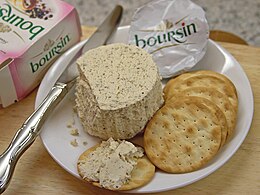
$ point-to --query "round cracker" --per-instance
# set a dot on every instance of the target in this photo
(201, 72)
(142, 173)
(182, 136)
(218, 75)
(171, 84)
(202, 79)
(218, 113)
(217, 98)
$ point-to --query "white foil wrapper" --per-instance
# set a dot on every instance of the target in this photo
(175, 32)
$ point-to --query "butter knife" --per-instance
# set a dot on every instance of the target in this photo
(31, 128)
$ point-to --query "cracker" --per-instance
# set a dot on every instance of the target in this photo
(217, 98)
(218, 75)
(218, 113)
(142, 173)
(182, 136)
(172, 82)
(202, 79)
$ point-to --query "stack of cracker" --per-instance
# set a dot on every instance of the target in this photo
(198, 117)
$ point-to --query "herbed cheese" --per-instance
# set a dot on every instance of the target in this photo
(118, 91)
(111, 163)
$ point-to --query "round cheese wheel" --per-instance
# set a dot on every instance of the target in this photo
(118, 91)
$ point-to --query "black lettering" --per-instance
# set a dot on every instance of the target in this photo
(42, 61)
(164, 38)
(171, 34)
(137, 41)
(194, 28)
(59, 47)
(159, 39)
(26, 25)
(66, 40)
(35, 31)
(48, 56)
(179, 32)
(184, 30)
(34, 67)
(3, 11)
(151, 41)
(18, 19)
(8, 18)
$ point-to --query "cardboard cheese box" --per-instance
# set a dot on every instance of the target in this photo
(33, 33)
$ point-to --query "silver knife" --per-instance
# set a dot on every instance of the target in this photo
(26, 135)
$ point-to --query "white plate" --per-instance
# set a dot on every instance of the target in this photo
(56, 135)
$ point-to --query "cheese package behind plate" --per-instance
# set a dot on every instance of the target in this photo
(175, 32)
(32, 35)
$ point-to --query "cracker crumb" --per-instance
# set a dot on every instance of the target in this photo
(74, 143)
(71, 123)
(74, 132)
(75, 109)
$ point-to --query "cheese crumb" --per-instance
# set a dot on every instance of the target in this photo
(111, 163)
(74, 143)
(71, 123)
(74, 132)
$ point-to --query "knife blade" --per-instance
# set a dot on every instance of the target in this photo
(30, 129)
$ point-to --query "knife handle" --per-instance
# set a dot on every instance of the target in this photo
(26, 135)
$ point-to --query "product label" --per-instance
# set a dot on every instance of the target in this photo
(50, 51)
(34, 33)
(166, 33)
(7, 15)
(24, 22)
(174, 32)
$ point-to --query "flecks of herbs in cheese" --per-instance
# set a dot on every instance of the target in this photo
(111, 163)
(119, 74)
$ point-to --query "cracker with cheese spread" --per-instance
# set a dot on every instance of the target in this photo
(115, 165)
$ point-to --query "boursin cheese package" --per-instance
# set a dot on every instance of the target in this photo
(174, 32)
(33, 33)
